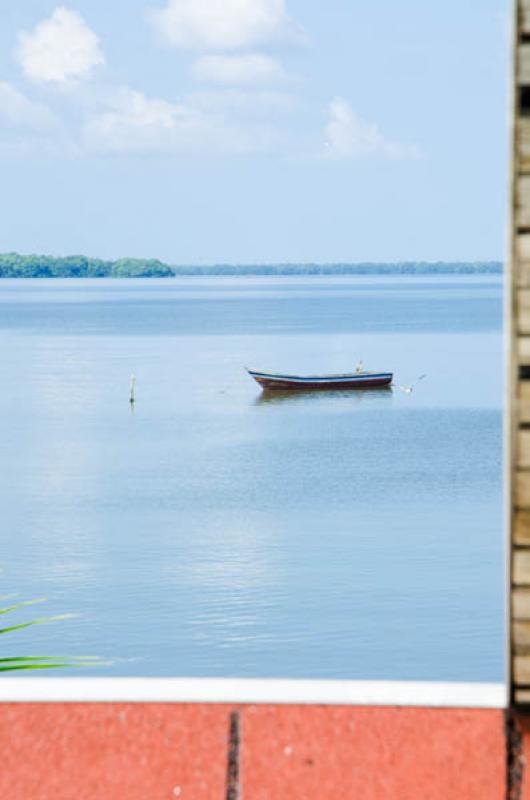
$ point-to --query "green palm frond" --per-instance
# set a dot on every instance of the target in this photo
(11, 663)
(41, 621)
(20, 604)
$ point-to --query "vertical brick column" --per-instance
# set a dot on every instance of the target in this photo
(518, 322)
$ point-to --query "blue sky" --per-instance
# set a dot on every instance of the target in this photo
(243, 131)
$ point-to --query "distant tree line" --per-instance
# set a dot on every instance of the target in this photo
(14, 265)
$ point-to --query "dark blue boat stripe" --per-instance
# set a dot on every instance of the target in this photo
(320, 378)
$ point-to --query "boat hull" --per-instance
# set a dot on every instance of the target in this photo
(320, 382)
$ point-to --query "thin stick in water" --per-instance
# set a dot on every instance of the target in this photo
(132, 388)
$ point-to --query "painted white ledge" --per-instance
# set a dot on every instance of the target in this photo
(236, 690)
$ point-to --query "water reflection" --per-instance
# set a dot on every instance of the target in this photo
(305, 396)
(263, 543)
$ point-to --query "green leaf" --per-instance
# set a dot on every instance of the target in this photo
(12, 663)
(21, 605)
(47, 665)
(42, 621)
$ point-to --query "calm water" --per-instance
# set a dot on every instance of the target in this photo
(216, 532)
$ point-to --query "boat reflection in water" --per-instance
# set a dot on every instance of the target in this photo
(305, 396)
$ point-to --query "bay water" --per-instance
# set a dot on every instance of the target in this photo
(211, 530)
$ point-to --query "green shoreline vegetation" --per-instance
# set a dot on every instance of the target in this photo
(14, 265)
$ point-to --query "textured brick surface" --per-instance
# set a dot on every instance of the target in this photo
(163, 751)
(312, 753)
(112, 751)
(521, 754)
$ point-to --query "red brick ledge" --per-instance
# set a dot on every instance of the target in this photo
(159, 751)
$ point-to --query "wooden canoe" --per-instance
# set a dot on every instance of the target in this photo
(346, 380)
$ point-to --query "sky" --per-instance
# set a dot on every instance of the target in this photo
(255, 131)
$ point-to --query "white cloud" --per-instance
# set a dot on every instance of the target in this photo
(349, 136)
(59, 49)
(135, 123)
(255, 104)
(17, 111)
(29, 128)
(238, 70)
(223, 24)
